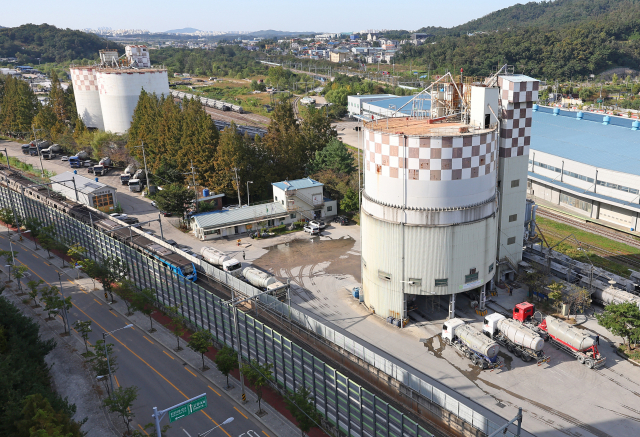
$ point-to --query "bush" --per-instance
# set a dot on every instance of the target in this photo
(298, 225)
(278, 229)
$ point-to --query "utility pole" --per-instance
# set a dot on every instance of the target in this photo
(248, 199)
(146, 172)
(235, 169)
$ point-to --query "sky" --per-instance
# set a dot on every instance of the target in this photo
(248, 15)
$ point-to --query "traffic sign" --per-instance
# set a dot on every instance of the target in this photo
(187, 409)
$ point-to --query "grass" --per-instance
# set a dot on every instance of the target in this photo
(633, 354)
(28, 168)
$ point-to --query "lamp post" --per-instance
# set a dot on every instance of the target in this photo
(206, 433)
(248, 182)
(106, 385)
(106, 350)
(64, 308)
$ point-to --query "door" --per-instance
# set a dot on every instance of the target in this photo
(235, 230)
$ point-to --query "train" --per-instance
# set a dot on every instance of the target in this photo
(179, 265)
(211, 103)
(481, 350)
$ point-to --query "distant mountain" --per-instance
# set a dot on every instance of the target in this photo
(268, 33)
(51, 44)
(184, 30)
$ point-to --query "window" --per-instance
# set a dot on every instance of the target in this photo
(103, 201)
(511, 240)
(490, 267)
(293, 216)
(576, 203)
(329, 208)
(442, 282)
(515, 183)
(275, 198)
(282, 201)
(384, 275)
(415, 282)
(513, 217)
(470, 277)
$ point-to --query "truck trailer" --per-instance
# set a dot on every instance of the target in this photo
(481, 350)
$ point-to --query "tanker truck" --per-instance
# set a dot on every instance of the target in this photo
(128, 172)
(258, 278)
(573, 341)
(612, 295)
(482, 351)
(221, 260)
(519, 339)
(103, 167)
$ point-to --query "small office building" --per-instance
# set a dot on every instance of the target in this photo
(87, 191)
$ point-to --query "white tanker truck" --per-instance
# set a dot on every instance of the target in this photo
(482, 351)
(258, 278)
(520, 340)
(221, 260)
(573, 341)
(612, 295)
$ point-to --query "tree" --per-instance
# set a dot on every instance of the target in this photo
(33, 290)
(48, 296)
(301, 406)
(175, 199)
(316, 130)
(110, 271)
(83, 328)
(144, 301)
(126, 290)
(226, 361)
(200, 342)
(39, 419)
(258, 375)
(577, 298)
(76, 252)
(334, 156)
(7, 217)
(121, 401)
(19, 272)
(34, 225)
(99, 362)
(621, 319)
(48, 239)
(91, 268)
(177, 324)
(350, 201)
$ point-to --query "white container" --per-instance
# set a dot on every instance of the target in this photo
(477, 342)
(258, 278)
(574, 337)
(520, 334)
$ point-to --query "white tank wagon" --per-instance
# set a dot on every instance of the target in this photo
(258, 278)
(612, 295)
(481, 350)
(520, 340)
(87, 96)
(573, 341)
(221, 260)
(119, 92)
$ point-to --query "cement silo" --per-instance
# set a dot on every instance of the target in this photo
(85, 89)
(119, 92)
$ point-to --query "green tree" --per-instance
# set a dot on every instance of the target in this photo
(83, 328)
(144, 301)
(19, 272)
(91, 268)
(49, 295)
(175, 199)
(33, 290)
(39, 419)
(200, 342)
(19, 106)
(7, 217)
(226, 361)
(121, 401)
(177, 324)
(76, 252)
(109, 272)
(99, 362)
(126, 290)
(301, 406)
(350, 201)
(48, 239)
(334, 156)
(621, 319)
(614, 79)
(258, 375)
(34, 225)
(316, 130)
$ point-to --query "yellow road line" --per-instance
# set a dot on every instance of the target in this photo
(266, 434)
(214, 390)
(98, 301)
(169, 355)
(243, 415)
(187, 369)
(116, 378)
(147, 339)
(143, 430)
(34, 255)
(113, 313)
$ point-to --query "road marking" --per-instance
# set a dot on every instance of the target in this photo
(185, 431)
(187, 369)
(112, 313)
(169, 355)
(34, 255)
(97, 301)
(143, 430)
(240, 412)
(147, 339)
(266, 434)
(116, 378)
(214, 390)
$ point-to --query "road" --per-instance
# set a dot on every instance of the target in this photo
(162, 377)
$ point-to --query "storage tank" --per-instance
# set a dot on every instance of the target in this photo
(119, 92)
(258, 278)
(478, 342)
(520, 334)
(214, 256)
(574, 337)
(87, 96)
(612, 295)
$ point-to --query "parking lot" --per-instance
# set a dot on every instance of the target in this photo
(561, 397)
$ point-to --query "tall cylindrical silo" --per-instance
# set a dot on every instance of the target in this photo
(85, 89)
(119, 92)
(428, 210)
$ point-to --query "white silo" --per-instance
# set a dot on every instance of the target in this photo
(85, 89)
(429, 206)
(119, 92)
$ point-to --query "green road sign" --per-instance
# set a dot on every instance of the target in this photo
(187, 409)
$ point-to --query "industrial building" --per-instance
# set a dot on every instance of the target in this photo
(107, 94)
(444, 191)
(586, 163)
(301, 199)
(90, 192)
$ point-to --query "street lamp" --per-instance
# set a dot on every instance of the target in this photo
(64, 308)
(248, 182)
(106, 350)
(102, 377)
(206, 433)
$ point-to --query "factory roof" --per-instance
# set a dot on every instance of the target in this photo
(423, 103)
(613, 147)
(239, 216)
(422, 127)
(83, 185)
(297, 184)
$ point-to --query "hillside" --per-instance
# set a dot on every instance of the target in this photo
(51, 44)
(555, 40)
(183, 30)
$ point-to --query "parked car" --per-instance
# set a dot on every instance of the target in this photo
(342, 220)
(87, 163)
(153, 203)
(171, 243)
(317, 223)
(312, 230)
(165, 213)
(117, 215)
(90, 170)
(64, 158)
(130, 220)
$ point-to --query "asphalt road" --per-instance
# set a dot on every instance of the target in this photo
(163, 378)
